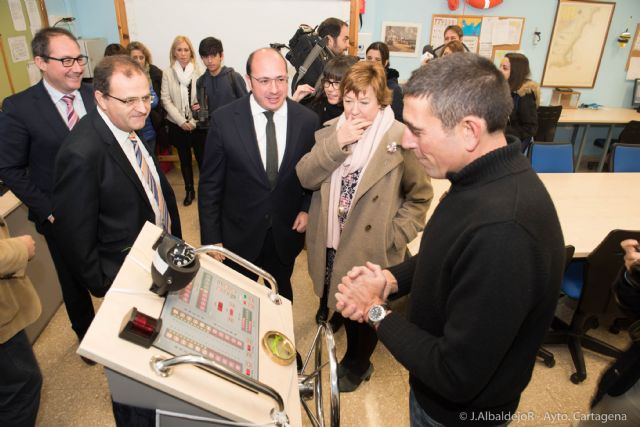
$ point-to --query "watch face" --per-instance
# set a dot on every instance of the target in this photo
(376, 313)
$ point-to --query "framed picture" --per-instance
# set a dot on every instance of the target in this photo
(403, 38)
(579, 34)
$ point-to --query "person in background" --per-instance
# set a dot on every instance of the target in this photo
(379, 52)
(327, 103)
(484, 284)
(179, 99)
(451, 33)
(370, 200)
(115, 49)
(523, 120)
(220, 85)
(20, 377)
(618, 391)
(139, 53)
(32, 128)
(453, 46)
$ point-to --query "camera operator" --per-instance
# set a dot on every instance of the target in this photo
(619, 388)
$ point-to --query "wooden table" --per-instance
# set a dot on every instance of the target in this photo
(589, 205)
(610, 116)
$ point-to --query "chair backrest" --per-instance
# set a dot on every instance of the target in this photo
(551, 156)
(547, 122)
(602, 268)
(631, 133)
(625, 158)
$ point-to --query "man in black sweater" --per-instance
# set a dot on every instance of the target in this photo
(485, 283)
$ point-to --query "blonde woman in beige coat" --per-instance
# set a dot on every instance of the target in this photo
(370, 199)
(20, 378)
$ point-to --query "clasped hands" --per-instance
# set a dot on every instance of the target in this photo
(363, 287)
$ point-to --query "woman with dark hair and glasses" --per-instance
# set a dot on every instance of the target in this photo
(327, 103)
(523, 121)
(379, 52)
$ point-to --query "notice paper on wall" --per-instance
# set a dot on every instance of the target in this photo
(634, 68)
(34, 16)
(19, 48)
(17, 16)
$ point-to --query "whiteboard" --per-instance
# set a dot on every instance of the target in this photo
(242, 25)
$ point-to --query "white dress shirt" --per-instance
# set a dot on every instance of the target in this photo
(123, 139)
(56, 97)
(260, 123)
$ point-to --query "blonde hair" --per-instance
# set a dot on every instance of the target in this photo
(365, 74)
(142, 48)
(176, 41)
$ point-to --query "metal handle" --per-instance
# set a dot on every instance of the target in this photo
(273, 295)
(163, 367)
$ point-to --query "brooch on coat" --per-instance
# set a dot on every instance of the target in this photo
(392, 148)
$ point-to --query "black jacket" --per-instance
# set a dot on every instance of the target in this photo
(397, 105)
(523, 120)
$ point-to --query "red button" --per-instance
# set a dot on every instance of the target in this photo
(220, 306)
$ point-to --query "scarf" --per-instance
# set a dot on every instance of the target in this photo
(358, 159)
(184, 77)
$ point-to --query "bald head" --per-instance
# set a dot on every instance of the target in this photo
(265, 53)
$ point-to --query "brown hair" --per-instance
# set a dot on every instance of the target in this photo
(454, 46)
(520, 71)
(108, 66)
(179, 39)
(142, 48)
(365, 74)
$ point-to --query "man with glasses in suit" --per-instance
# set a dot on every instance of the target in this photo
(33, 125)
(251, 200)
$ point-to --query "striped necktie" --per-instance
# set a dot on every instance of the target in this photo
(72, 116)
(151, 183)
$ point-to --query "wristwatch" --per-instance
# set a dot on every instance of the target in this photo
(376, 314)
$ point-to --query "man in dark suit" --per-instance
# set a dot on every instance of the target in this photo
(251, 200)
(32, 127)
(106, 182)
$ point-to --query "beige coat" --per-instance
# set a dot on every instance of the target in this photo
(171, 98)
(387, 211)
(19, 302)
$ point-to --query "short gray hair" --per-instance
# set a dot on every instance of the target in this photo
(460, 85)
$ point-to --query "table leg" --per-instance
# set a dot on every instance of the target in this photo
(583, 141)
(605, 149)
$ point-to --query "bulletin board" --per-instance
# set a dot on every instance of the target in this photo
(19, 20)
(633, 62)
(484, 35)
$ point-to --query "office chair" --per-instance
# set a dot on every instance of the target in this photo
(629, 135)
(625, 158)
(551, 156)
(547, 123)
(543, 353)
(589, 281)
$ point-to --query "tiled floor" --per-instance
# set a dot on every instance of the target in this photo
(75, 394)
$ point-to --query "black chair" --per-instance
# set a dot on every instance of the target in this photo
(547, 123)
(543, 353)
(599, 270)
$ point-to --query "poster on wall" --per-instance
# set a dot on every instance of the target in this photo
(402, 38)
(577, 41)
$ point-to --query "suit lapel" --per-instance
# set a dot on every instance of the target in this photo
(116, 153)
(380, 164)
(293, 133)
(87, 98)
(45, 107)
(249, 140)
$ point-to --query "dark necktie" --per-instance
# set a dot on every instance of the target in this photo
(272, 150)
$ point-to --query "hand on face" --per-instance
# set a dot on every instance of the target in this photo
(351, 131)
(632, 254)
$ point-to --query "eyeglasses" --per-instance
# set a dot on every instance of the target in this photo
(68, 62)
(333, 83)
(133, 100)
(266, 81)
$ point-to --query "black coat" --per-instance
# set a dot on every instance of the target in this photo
(236, 203)
(523, 120)
(31, 133)
(100, 204)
